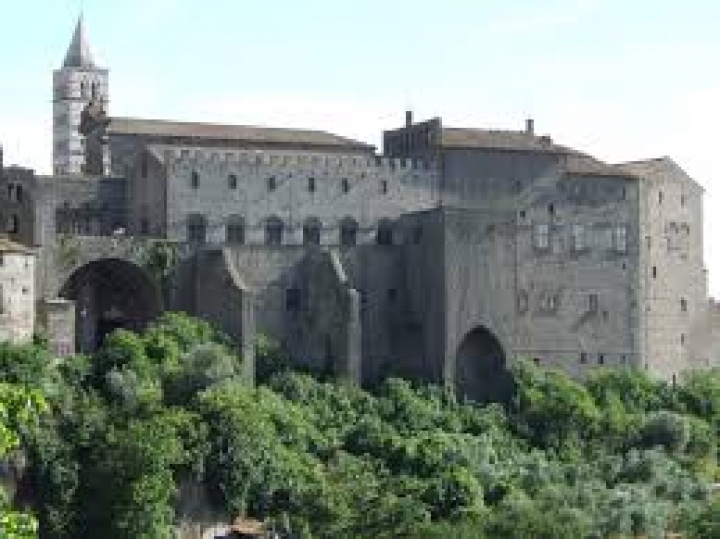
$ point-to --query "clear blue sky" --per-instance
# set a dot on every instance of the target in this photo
(620, 79)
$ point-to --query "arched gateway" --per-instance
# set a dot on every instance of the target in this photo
(109, 294)
(480, 370)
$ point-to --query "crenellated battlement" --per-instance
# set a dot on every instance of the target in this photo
(194, 157)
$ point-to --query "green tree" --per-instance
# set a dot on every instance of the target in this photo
(553, 407)
(18, 408)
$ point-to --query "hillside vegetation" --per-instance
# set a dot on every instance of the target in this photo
(619, 455)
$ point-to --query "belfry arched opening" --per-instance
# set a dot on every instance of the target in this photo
(481, 372)
(110, 294)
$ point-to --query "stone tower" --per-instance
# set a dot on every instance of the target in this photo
(78, 82)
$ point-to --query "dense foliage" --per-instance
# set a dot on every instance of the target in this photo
(19, 408)
(618, 455)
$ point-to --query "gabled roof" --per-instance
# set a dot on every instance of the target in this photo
(660, 167)
(456, 137)
(78, 53)
(240, 133)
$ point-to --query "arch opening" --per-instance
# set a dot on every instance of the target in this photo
(481, 372)
(110, 294)
(311, 231)
(348, 232)
(273, 231)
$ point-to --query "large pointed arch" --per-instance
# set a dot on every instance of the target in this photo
(481, 372)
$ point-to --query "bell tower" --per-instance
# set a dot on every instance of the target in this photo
(78, 82)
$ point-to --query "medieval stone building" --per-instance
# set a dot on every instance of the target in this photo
(444, 257)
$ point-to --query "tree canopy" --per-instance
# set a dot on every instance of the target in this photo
(111, 438)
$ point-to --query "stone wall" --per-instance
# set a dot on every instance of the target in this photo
(328, 309)
(17, 296)
(478, 177)
(56, 322)
(672, 279)
(577, 265)
(291, 186)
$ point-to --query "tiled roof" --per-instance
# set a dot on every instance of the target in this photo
(660, 167)
(579, 164)
(454, 137)
(650, 167)
(240, 133)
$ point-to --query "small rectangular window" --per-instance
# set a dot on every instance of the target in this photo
(593, 302)
(578, 237)
(654, 272)
(583, 357)
(271, 183)
(620, 239)
(311, 184)
(292, 299)
(601, 359)
(194, 180)
(384, 187)
(683, 305)
(232, 181)
(13, 224)
(345, 185)
(542, 236)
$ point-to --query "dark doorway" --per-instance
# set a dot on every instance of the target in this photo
(481, 373)
(110, 294)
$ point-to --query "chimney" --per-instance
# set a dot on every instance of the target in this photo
(408, 118)
(530, 126)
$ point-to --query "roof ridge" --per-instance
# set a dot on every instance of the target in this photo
(224, 124)
(211, 130)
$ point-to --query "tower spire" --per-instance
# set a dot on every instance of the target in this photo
(78, 53)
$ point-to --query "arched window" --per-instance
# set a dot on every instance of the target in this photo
(385, 232)
(235, 230)
(348, 232)
(232, 181)
(311, 231)
(196, 228)
(273, 231)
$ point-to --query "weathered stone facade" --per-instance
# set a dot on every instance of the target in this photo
(17, 292)
(452, 253)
